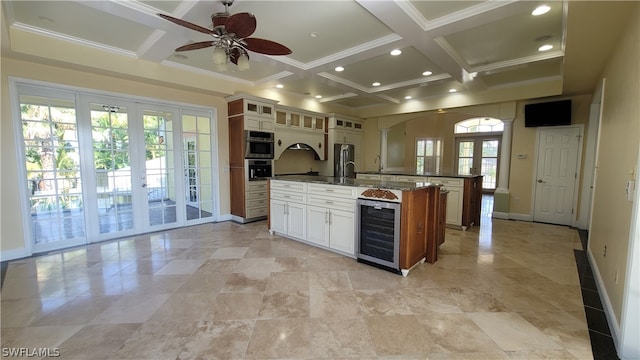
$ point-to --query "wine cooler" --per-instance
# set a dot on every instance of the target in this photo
(378, 233)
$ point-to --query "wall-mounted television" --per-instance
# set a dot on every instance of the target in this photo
(552, 113)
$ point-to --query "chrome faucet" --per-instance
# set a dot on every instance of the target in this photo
(379, 163)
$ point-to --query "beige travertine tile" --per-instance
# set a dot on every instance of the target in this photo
(512, 332)
(131, 309)
(236, 306)
(157, 340)
(457, 333)
(103, 340)
(399, 335)
(333, 304)
(337, 338)
(281, 304)
(280, 339)
(492, 295)
(217, 340)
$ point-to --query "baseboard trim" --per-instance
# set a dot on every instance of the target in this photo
(14, 254)
(500, 215)
(521, 217)
(614, 327)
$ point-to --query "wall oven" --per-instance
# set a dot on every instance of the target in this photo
(259, 169)
(258, 145)
(378, 234)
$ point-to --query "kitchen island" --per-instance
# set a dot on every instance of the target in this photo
(327, 212)
(464, 200)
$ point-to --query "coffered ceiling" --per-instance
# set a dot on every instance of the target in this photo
(462, 46)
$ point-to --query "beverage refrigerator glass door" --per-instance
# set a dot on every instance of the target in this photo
(258, 145)
(378, 233)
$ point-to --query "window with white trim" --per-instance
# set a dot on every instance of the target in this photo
(428, 155)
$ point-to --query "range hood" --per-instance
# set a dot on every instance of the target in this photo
(300, 146)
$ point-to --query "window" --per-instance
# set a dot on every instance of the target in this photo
(477, 125)
(428, 155)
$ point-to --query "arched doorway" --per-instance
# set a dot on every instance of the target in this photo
(477, 149)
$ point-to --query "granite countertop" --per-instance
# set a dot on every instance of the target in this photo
(417, 174)
(381, 184)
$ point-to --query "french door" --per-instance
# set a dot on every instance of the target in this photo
(98, 168)
(479, 156)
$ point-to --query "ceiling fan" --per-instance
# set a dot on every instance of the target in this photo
(231, 38)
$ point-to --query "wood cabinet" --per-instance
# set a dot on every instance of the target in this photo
(248, 199)
(419, 227)
(331, 217)
(464, 195)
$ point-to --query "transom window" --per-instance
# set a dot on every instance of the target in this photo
(428, 155)
(478, 125)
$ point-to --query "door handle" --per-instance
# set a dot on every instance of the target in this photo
(540, 181)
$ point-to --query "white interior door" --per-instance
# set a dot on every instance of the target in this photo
(556, 174)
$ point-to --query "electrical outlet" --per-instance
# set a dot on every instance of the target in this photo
(604, 253)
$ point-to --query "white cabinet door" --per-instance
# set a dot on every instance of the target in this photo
(454, 206)
(342, 231)
(296, 220)
(278, 216)
(318, 225)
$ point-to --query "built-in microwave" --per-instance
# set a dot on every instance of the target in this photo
(258, 145)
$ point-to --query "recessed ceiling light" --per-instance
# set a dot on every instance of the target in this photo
(280, 86)
(339, 68)
(542, 9)
(545, 47)
(407, 97)
(395, 52)
(427, 73)
(376, 84)
(452, 90)
(314, 34)
(318, 96)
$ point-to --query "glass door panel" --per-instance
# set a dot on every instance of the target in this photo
(489, 164)
(112, 162)
(52, 164)
(159, 167)
(198, 179)
(465, 157)
(479, 153)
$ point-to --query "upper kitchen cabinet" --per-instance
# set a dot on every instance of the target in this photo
(299, 119)
(344, 129)
(258, 113)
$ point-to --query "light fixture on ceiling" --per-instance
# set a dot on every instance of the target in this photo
(224, 52)
(427, 73)
(375, 84)
(339, 68)
(545, 47)
(542, 9)
(280, 86)
(452, 90)
(318, 96)
(314, 34)
(408, 97)
(395, 52)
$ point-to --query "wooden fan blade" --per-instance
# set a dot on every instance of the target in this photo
(267, 47)
(234, 55)
(187, 24)
(241, 24)
(195, 46)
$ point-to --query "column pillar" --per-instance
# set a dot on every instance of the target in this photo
(501, 196)
(383, 148)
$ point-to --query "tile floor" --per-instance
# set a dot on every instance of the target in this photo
(506, 290)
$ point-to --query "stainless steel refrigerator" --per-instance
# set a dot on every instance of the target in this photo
(343, 161)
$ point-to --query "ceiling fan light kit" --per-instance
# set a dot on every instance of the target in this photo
(231, 39)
